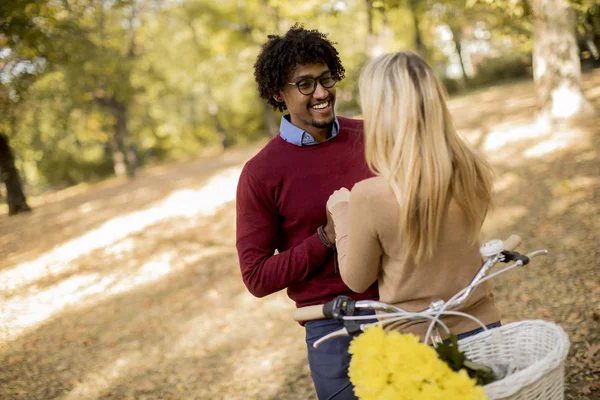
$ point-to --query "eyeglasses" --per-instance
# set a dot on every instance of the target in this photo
(307, 86)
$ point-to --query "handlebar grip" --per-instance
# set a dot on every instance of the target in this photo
(308, 313)
(512, 242)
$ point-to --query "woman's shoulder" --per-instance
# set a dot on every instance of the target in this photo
(373, 187)
(376, 202)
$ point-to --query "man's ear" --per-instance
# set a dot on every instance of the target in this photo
(278, 97)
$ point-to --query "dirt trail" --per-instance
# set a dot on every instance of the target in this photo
(131, 290)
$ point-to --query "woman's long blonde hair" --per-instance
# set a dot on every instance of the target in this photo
(410, 139)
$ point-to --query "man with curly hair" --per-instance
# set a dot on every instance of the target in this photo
(283, 190)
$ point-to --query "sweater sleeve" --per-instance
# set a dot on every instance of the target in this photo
(359, 250)
(257, 230)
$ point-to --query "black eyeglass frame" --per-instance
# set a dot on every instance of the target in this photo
(315, 80)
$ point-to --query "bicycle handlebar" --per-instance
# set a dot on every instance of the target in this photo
(308, 313)
(512, 242)
(317, 311)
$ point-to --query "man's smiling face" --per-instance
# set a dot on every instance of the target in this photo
(312, 113)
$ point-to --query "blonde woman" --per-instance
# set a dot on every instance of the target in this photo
(414, 227)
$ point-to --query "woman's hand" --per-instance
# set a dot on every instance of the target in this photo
(339, 196)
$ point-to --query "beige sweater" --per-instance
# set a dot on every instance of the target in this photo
(368, 244)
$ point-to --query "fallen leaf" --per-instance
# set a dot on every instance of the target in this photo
(525, 298)
(146, 386)
(14, 359)
(592, 350)
(590, 387)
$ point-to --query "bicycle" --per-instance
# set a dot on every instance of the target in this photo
(527, 356)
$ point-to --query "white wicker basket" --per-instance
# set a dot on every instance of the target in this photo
(533, 352)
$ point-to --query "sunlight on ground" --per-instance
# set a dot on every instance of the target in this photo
(499, 140)
(559, 140)
(21, 312)
(578, 193)
(506, 181)
(95, 384)
(503, 217)
(183, 203)
(197, 339)
(566, 100)
(592, 93)
(267, 352)
(508, 133)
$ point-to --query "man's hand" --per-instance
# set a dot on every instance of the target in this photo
(329, 229)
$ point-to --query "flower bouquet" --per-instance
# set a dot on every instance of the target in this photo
(395, 366)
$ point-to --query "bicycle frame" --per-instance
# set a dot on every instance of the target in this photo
(345, 309)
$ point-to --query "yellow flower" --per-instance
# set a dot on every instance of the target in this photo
(397, 366)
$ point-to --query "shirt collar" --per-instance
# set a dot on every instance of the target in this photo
(294, 135)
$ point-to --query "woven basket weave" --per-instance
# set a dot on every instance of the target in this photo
(534, 354)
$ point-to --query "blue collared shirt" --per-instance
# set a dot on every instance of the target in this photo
(294, 135)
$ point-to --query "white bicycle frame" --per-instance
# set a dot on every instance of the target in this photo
(495, 251)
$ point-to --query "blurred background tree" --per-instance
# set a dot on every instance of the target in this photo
(94, 88)
(557, 28)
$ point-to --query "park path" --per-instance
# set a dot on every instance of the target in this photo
(131, 290)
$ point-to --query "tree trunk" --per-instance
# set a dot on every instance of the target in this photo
(386, 33)
(193, 114)
(15, 196)
(224, 137)
(419, 44)
(457, 38)
(374, 45)
(556, 65)
(124, 159)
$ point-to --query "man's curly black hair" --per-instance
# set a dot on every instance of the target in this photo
(281, 54)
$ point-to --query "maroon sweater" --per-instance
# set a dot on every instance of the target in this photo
(281, 197)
